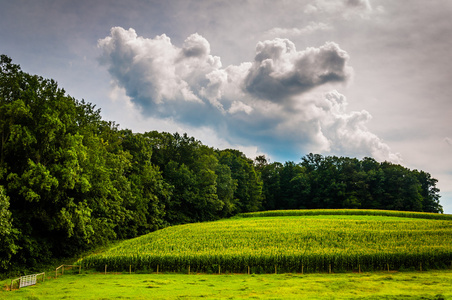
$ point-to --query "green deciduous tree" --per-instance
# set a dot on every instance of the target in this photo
(429, 192)
(249, 184)
(8, 234)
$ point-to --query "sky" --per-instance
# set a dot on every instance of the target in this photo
(277, 78)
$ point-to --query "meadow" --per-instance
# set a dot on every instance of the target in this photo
(380, 285)
(291, 243)
(341, 254)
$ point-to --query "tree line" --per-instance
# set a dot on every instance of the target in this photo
(342, 182)
(71, 181)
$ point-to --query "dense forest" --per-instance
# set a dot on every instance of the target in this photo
(71, 181)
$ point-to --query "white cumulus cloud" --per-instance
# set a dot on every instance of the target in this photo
(270, 103)
(157, 75)
(347, 132)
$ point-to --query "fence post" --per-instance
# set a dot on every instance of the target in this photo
(302, 269)
(105, 269)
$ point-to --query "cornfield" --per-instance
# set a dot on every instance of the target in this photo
(296, 244)
(355, 212)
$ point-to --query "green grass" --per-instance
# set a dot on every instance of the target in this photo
(308, 243)
(382, 285)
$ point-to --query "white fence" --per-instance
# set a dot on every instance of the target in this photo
(27, 280)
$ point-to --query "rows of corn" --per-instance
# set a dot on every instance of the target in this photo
(355, 212)
(317, 243)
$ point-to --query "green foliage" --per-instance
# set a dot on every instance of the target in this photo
(341, 182)
(8, 234)
(149, 191)
(249, 184)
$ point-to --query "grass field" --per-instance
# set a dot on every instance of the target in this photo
(287, 244)
(318, 252)
(380, 285)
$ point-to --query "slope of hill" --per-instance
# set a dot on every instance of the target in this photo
(310, 243)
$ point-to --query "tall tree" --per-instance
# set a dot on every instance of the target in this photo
(429, 192)
(149, 192)
(249, 183)
(8, 234)
(270, 176)
(201, 188)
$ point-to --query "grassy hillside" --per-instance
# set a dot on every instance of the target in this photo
(301, 244)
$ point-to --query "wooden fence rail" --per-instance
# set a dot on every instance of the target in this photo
(62, 269)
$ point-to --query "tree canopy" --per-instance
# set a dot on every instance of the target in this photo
(342, 182)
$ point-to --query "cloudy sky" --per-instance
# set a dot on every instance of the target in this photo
(281, 78)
